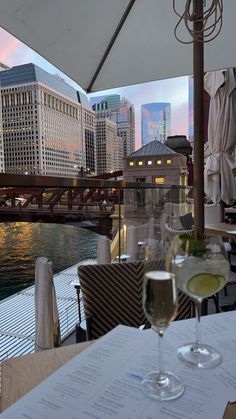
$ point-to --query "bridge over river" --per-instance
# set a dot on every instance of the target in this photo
(58, 205)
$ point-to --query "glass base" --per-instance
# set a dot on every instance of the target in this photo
(162, 387)
(200, 356)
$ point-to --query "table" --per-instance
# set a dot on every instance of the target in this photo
(123, 258)
(222, 229)
(19, 375)
(110, 370)
(231, 210)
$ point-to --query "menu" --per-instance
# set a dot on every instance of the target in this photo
(103, 382)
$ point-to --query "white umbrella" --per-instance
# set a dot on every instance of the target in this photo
(106, 43)
(47, 329)
(103, 250)
(132, 243)
(219, 179)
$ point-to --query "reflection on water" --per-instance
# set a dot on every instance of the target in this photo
(22, 243)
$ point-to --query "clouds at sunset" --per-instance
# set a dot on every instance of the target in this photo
(10, 47)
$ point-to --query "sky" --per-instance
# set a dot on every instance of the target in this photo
(175, 91)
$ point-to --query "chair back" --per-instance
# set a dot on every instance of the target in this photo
(112, 295)
(212, 214)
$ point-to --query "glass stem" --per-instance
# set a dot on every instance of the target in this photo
(198, 309)
(161, 369)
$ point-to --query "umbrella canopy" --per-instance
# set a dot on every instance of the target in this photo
(109, 43)
(219, 180)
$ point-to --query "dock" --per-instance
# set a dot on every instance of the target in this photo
(17, 314)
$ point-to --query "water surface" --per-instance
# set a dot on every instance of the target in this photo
(21, 243)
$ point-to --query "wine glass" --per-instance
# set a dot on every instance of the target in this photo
(201, 268)
(160, 303)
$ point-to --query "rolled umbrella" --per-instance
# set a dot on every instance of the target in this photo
(218, 174)
(47, 327)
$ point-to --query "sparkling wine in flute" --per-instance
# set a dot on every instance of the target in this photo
(160, 299)
(160, 303)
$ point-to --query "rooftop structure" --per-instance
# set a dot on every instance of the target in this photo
(157, 163)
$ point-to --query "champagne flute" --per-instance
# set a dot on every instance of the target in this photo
(201, 268)
(160, 303)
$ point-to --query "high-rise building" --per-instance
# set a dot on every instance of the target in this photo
(120, 111)
(3, 67)
(46, 123)
(2, 165)
(109, 147)
(89, 135)
(155, 122)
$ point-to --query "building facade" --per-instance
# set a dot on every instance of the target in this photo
(121, 112)
(3, 67)
(89, 136)
(109, 147)
(2, 159)
(43, 129)
(155, 122)
(155, 163)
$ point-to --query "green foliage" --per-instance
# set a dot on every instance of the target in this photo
(194, 246)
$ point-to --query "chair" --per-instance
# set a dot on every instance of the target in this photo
(175, 220)
(112, 295)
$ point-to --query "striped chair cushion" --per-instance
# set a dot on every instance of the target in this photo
(112, 295)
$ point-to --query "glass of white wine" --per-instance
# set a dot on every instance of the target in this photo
(160, 302)
(201, 268)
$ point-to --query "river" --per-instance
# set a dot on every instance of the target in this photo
(21, 243)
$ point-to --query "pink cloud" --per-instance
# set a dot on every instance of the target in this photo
(9, 47)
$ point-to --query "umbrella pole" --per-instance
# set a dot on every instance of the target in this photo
(198, 74)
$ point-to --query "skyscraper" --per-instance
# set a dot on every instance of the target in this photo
(120, 111)
(2, 165)
(44, 123)
(3, 67)
(155, 122)
(109, 147)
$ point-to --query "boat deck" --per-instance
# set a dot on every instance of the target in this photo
(17, 314)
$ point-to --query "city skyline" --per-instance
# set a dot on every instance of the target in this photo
(175, 91)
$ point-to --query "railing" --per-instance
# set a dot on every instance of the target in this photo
(107, 207)
(109, 204)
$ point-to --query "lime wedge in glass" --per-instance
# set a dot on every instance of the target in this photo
(205, 284)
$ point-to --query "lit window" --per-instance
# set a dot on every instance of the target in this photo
(159, 180)
(149, 162)
(140, 163)
(168, 161)
(131, 163)
(158, 161)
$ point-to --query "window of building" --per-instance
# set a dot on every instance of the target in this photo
(131, 163)
(169, 161)
(140, 163)
(149, 162)
(159, 180)
(158, 162)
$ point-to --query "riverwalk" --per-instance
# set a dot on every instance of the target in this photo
(17, 314)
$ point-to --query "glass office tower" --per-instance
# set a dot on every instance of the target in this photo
(155, 122)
